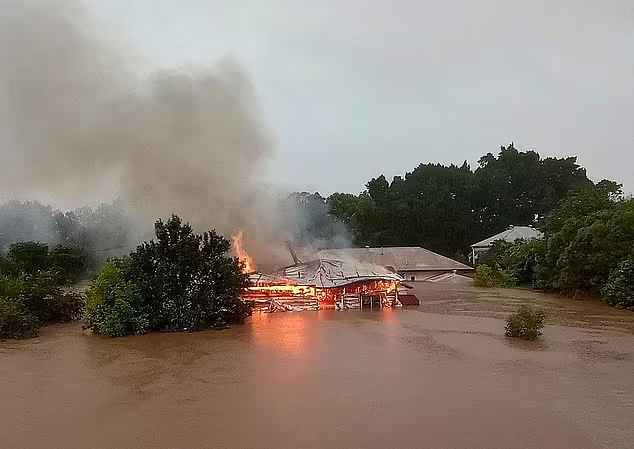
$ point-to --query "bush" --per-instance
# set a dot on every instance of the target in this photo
(483, 276)
(29, 258)
(113, 302)
(619, 289)
(32, 297)
(12, 287)
(15, 322)
(69, 263)
(187, 281)
(526, 323)
(45, 300)
(180, 282)
(26, 304)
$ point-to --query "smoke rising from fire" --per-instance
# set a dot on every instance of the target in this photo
(77, 123)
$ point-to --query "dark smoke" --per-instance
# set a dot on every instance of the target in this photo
(78, 124)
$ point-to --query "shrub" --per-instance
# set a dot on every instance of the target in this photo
(483, 276)
(45, 300)
(113, 302)
(32, 297)
(180, 282)
(619, 289)
(526, 323)
(187, 281)
(12, 287)
(69, 263)
(29, 257)
(15, 322)
(486, 276)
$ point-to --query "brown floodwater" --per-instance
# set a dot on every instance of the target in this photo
(440, 376)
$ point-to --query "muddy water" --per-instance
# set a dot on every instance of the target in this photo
(438, 376)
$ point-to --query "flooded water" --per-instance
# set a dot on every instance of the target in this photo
(439, 376)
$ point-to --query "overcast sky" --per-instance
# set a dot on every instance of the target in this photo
(354, 88)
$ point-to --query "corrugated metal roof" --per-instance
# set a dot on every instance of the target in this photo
(326, 273)
(510, 235)
(401, 258)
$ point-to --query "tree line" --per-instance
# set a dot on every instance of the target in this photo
(106, 230)
(439, 207)
(448, 208)
(186, 281)
(588, 247)
(180, 281)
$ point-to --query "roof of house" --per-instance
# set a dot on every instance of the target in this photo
(450, 278)
(400, 258)
(325, 273)
(510, 235)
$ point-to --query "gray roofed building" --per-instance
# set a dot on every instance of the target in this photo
(411, 262)
(511, 234)
(324, 273)
(327, 273)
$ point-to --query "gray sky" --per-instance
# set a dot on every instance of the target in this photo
(354, 88)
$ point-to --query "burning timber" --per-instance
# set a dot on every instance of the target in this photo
(324, 283)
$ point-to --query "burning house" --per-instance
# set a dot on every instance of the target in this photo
(323, 283)
(319, 284)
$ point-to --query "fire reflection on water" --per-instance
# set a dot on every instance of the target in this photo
(289, 337)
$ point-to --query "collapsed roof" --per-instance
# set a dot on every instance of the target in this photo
(327, 273)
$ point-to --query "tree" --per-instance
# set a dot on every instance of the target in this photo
(26, 303)
(447, 208)
(113, 302)
(69, 263)
(588, 247)
(15, 321)
(521, 188)
(180, 281)
(619, 289)
(29, 257)
(186, 281)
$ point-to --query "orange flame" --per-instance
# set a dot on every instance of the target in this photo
(247, 263)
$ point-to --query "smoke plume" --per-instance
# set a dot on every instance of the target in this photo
(78, 123)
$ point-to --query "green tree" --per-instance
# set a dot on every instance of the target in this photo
(114, 305)
(619, 289)
(29, 257)
(186, 280)
(588, 246)
(26, 303)
(447, 208)
(25, 221)
(15, 321)
(180, 281)
(49, 303)
(69, 263)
